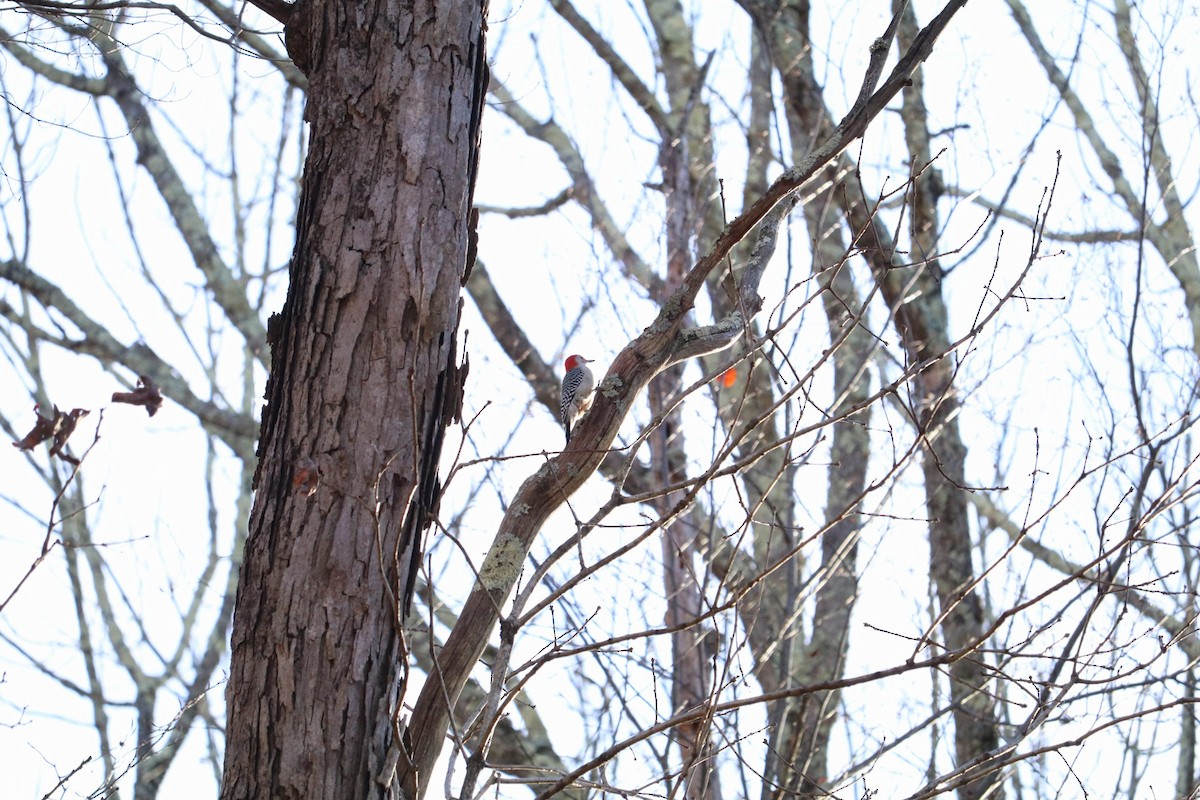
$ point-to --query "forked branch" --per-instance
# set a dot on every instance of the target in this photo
(643, 358)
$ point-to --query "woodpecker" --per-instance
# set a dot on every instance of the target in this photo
(577, 387)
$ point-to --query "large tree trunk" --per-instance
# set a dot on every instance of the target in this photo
(363, 383)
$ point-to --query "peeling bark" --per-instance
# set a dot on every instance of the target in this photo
(364, 381)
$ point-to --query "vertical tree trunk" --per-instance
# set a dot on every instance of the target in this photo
(924, 324)
(690, 661)
(363, 383)
(800, 764)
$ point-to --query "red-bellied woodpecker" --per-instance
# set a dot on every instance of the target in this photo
(577, 388)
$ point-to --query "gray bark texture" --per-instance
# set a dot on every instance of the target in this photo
(364, 381)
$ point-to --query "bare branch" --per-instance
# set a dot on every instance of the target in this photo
(631, 370)
(237, 431)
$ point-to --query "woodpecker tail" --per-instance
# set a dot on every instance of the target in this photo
(567, 427)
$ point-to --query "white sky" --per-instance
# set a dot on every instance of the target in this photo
(144, 474)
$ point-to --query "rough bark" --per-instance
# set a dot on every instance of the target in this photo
(362, 385)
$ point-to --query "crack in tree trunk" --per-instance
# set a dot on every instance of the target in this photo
(364, 381)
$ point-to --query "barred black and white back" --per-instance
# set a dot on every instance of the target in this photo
(577, 387)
